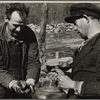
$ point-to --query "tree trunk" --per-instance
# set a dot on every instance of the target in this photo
(42, 34)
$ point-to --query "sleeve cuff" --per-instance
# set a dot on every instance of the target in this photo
(12, 83)
(30, 81)
(77, 87)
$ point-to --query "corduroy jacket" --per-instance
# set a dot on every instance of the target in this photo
(30, 56)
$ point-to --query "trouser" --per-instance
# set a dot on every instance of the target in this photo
(7, 94)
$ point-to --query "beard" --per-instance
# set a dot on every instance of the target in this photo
(16, 34)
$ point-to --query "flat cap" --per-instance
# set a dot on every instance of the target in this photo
(79, 9)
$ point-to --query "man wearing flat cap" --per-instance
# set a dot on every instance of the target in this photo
(85, 76)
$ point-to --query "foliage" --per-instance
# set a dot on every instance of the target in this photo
(57, 12)
(55, 15)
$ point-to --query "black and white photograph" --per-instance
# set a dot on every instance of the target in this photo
(49, 50)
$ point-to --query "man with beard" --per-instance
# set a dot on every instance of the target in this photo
(19, 60)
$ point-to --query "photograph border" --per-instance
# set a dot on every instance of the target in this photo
(49, 1)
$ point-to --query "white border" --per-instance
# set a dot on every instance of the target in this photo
(49, 1)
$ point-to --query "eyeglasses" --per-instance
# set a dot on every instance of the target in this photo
(18, 25)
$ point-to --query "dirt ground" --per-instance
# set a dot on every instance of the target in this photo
(64, 43)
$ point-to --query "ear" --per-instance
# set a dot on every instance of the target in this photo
(86, 17)
(5, 18)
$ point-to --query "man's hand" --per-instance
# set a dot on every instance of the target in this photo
(19, 87)
(65, 82)
(31, 83)
(25, 88)
(54, 73)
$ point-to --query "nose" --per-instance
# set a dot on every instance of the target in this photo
(18, 29)
(75, 28)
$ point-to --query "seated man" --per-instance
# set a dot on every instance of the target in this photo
(85, 76)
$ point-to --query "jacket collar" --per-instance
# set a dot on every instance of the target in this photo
(93, 40)
(85, 50)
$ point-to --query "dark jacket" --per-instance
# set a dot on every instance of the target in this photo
(86, 67)
(30, 58)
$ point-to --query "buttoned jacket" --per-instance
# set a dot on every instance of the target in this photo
(86, 68)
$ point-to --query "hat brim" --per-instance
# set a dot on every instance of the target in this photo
(71, 19)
